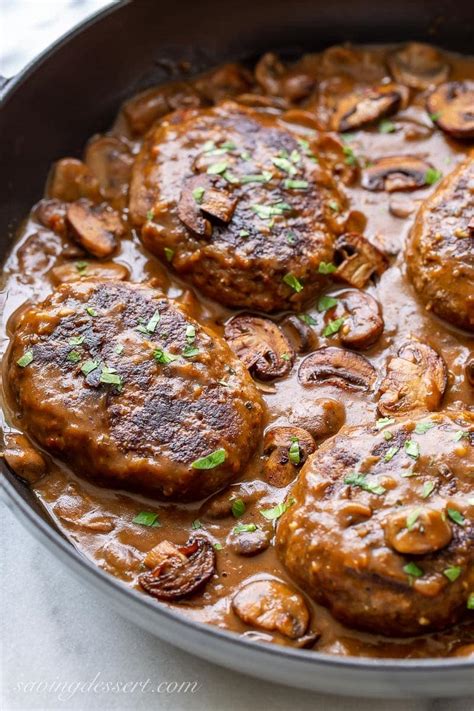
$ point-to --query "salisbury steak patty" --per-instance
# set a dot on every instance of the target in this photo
(382, 525)
(237, 203)
(117, 381)
(440, 252)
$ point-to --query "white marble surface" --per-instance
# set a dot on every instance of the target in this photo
(53, 634)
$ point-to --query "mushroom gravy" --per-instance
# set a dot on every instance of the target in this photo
(118, 530)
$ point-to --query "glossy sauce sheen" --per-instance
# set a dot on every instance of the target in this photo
(99, 521)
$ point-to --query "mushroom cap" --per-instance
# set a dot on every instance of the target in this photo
(339, 367)
(418, 66)
(382, 529)
(451, 107)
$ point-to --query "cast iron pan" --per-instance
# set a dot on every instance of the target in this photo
(72, 91)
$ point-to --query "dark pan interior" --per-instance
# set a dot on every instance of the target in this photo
(74, 90)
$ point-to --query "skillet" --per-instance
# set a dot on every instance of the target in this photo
(49, 110)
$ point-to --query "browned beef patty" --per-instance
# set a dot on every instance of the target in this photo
(237, 204)
(117, 381)
(440, 252)
(382, 525)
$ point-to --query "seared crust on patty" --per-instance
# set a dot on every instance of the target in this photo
(440, 251)
(381, 530)
(236, 202)
(130, 391)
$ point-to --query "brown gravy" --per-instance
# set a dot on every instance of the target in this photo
(99, 521)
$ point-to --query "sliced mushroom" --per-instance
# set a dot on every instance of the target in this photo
(220, 505)
(352, 513)
(416, 380)
(248, 543)
(77, 271)
(336, 366)
(451, 107)
(110, 160)
(301, 336)
(52, 214)
(360, 260)
(95, 228)
(23, 458)
(189, 205)
(363, 324)
(401, 206)
(71, 180)
(429, 532)
(285, 450)
(181, 570)
(321, 418)
(223, 82)
(260, 345)
(218, 204)
(359, 64)
(278, 80)
(364, 107)
(273, 606)
(418, 66)
(142, 110)
(396, 173)
(259, 101)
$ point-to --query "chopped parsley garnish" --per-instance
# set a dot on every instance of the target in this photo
(150, 215)
(238, 508)
(412, 518)
(295, 156)
(456, 516)
(326, 268)
(361, 481)
(25, 359)
(89, 366)
(153, 322)
(412, 448)
(245, 528)
(307, 319)
(245, 155)
(387, 127)
(147, 518)
(217, 546)
(334, 205)
(307, 149)
(412, 570)
(118, 350)
(169, 254)
(211, 460)
(435, 117)
(459, 435)
(196, 524)
(198, 194)
(294, 282)
(74, 356)
(452, 573)
(351, 158)
(217, 168)
(470, 601)
(423, 427)
(277, 511)
(163, 357)
(295, 184)
(190, 351)
(264, 177)
(285, 356)
(110, 377)
(190, 333)
(428, 488)
(285, 165)
(244, 233)
(294, 451)
(91, 311)
(387, 435)
(267, 211)
(230, 177)
(432, 176)
(291, 237)
(76, 340)
(390, 453)
(384, 422)
(81, 267)
(333, 326)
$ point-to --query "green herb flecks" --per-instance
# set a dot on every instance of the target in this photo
(470, 601)
(326, 268)
(432, 176)
(169, 254)
(412, 518)
(333, 327)
(150, 215)
(290, 184)
(350, 156)
(91, 311)
(422, 427)
(390, 453)
(211, 461)
(361, 481)
(456, 516)
(428, 488)
(74, 356)
(459, 435)
(386, 126)
(89, 366)
(278, 510)
(452, 573)
(294, 453)
(334, 205)
(81, 267)
(384, 422)
(25, 359)
(244, 528)
(190, 351)
(217, 168)
(263, 177)
(163, 357)
(109, 376)
(293, 281)
(412, 448)
(196, 524)
(147, 518)
(238, 508)
(285, 165)
(307, 319)
(265, 212)
(413, 570)
(76, 340)
(198, 194)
